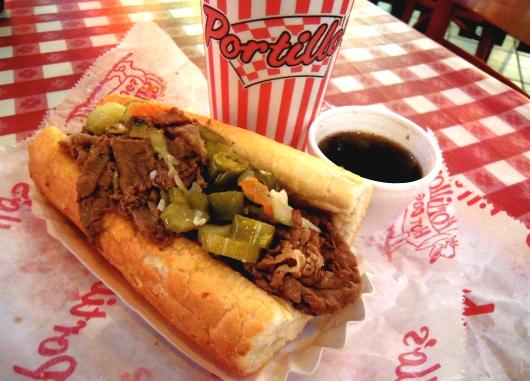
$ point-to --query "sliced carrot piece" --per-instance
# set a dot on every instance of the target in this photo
(118, 98)
(144, 110)
(258, 193)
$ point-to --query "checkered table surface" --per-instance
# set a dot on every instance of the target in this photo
(483, 126)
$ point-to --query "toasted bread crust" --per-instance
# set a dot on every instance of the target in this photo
(319, 183)
(236, 323)
(213, 305)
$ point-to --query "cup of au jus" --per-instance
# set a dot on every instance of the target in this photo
(398, 157)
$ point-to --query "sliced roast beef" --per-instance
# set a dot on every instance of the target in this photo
(119, 173)
(98, 155)
(172, 117)
(94, 186)
(135, 159)
(186, 142)
(189, 149)
(315, 271)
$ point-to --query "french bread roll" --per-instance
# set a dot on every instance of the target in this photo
(235, 322)
(318, 183)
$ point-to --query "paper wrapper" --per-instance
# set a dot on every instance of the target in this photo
(496, 268)
(58, 321)
(146, 64)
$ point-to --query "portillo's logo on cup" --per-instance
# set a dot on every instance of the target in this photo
(269, 62)
(302, 49)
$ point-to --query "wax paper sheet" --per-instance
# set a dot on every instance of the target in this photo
(496, 268)
(60, 322)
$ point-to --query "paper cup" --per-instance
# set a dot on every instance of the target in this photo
(389, 200)
(269, 62)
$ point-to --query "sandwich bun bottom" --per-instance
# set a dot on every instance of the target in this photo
(238, 324)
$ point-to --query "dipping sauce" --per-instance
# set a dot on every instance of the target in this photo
(371, 156)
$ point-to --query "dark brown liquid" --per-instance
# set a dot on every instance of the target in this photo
(371, 156)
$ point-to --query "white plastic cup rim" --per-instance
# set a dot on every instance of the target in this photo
(389, 199)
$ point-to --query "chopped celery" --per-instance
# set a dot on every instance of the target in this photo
(197, 200)
(228, 247)
(139, 131)
(252, 231)
(181, 219)
(206, 230)
(178, 196)
(214, 147)
(117, 129)
(104, 116)
(225, 205)
(248, 173)
(158, 141)
(280, 206)
(267, 178)
(208, 135)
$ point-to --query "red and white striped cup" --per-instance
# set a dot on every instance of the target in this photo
(269, 61)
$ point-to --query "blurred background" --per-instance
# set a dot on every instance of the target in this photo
(492, 34)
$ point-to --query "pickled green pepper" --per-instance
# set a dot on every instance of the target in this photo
(206, 230)
(267, 178)
(104, 116)
(228, 247)
(178, 197)
(181, 219)
(225, 205)
(197, 200)
(158, 141)
(224, 167)
(252, 231)
(139, 130)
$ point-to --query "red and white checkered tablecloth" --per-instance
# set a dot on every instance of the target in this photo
(482, 125)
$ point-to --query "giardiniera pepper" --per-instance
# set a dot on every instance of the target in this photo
(104, 116)
(225, 205)
(252, 231)
(224, 167)
(218, 244)
(180, 218)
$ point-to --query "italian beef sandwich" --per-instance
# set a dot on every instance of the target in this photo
(234, 238)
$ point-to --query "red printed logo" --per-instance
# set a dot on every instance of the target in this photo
(413, 364)
(123, 78)
(60, 365)
(427, 225)
(262, 50)
(11, 205)
(471, 308)
(139, 374)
